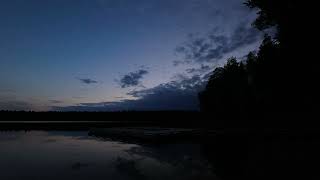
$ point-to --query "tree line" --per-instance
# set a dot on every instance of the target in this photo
(280, 77)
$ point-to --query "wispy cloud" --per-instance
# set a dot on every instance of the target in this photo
(16, 105)
(7, 91)
(55, 101)
(78, 97)
(87, 81)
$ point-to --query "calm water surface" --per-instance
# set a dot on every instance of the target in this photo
(75, 155)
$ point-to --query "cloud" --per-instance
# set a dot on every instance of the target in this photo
(55, 101)
(132, 79)
(216, 46)
(181, 94)
(7, 91)
(203, 69)
(16, 106)
(78, 97)
(87, 81)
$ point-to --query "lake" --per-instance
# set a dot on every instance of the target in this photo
(76, 155)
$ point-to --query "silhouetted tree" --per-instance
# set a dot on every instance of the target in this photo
(227, 90)
(280, 77)
(294, 66)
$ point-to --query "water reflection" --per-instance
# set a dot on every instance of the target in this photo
(75, 155)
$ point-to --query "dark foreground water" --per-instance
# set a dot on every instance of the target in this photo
(70, 155)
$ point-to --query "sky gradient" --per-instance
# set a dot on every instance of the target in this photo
(100, 55)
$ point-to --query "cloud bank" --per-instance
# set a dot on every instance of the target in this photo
(181, 94)
(216, 46)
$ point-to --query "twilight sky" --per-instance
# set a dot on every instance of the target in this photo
(98, 55)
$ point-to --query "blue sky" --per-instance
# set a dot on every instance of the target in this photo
(89, 54)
